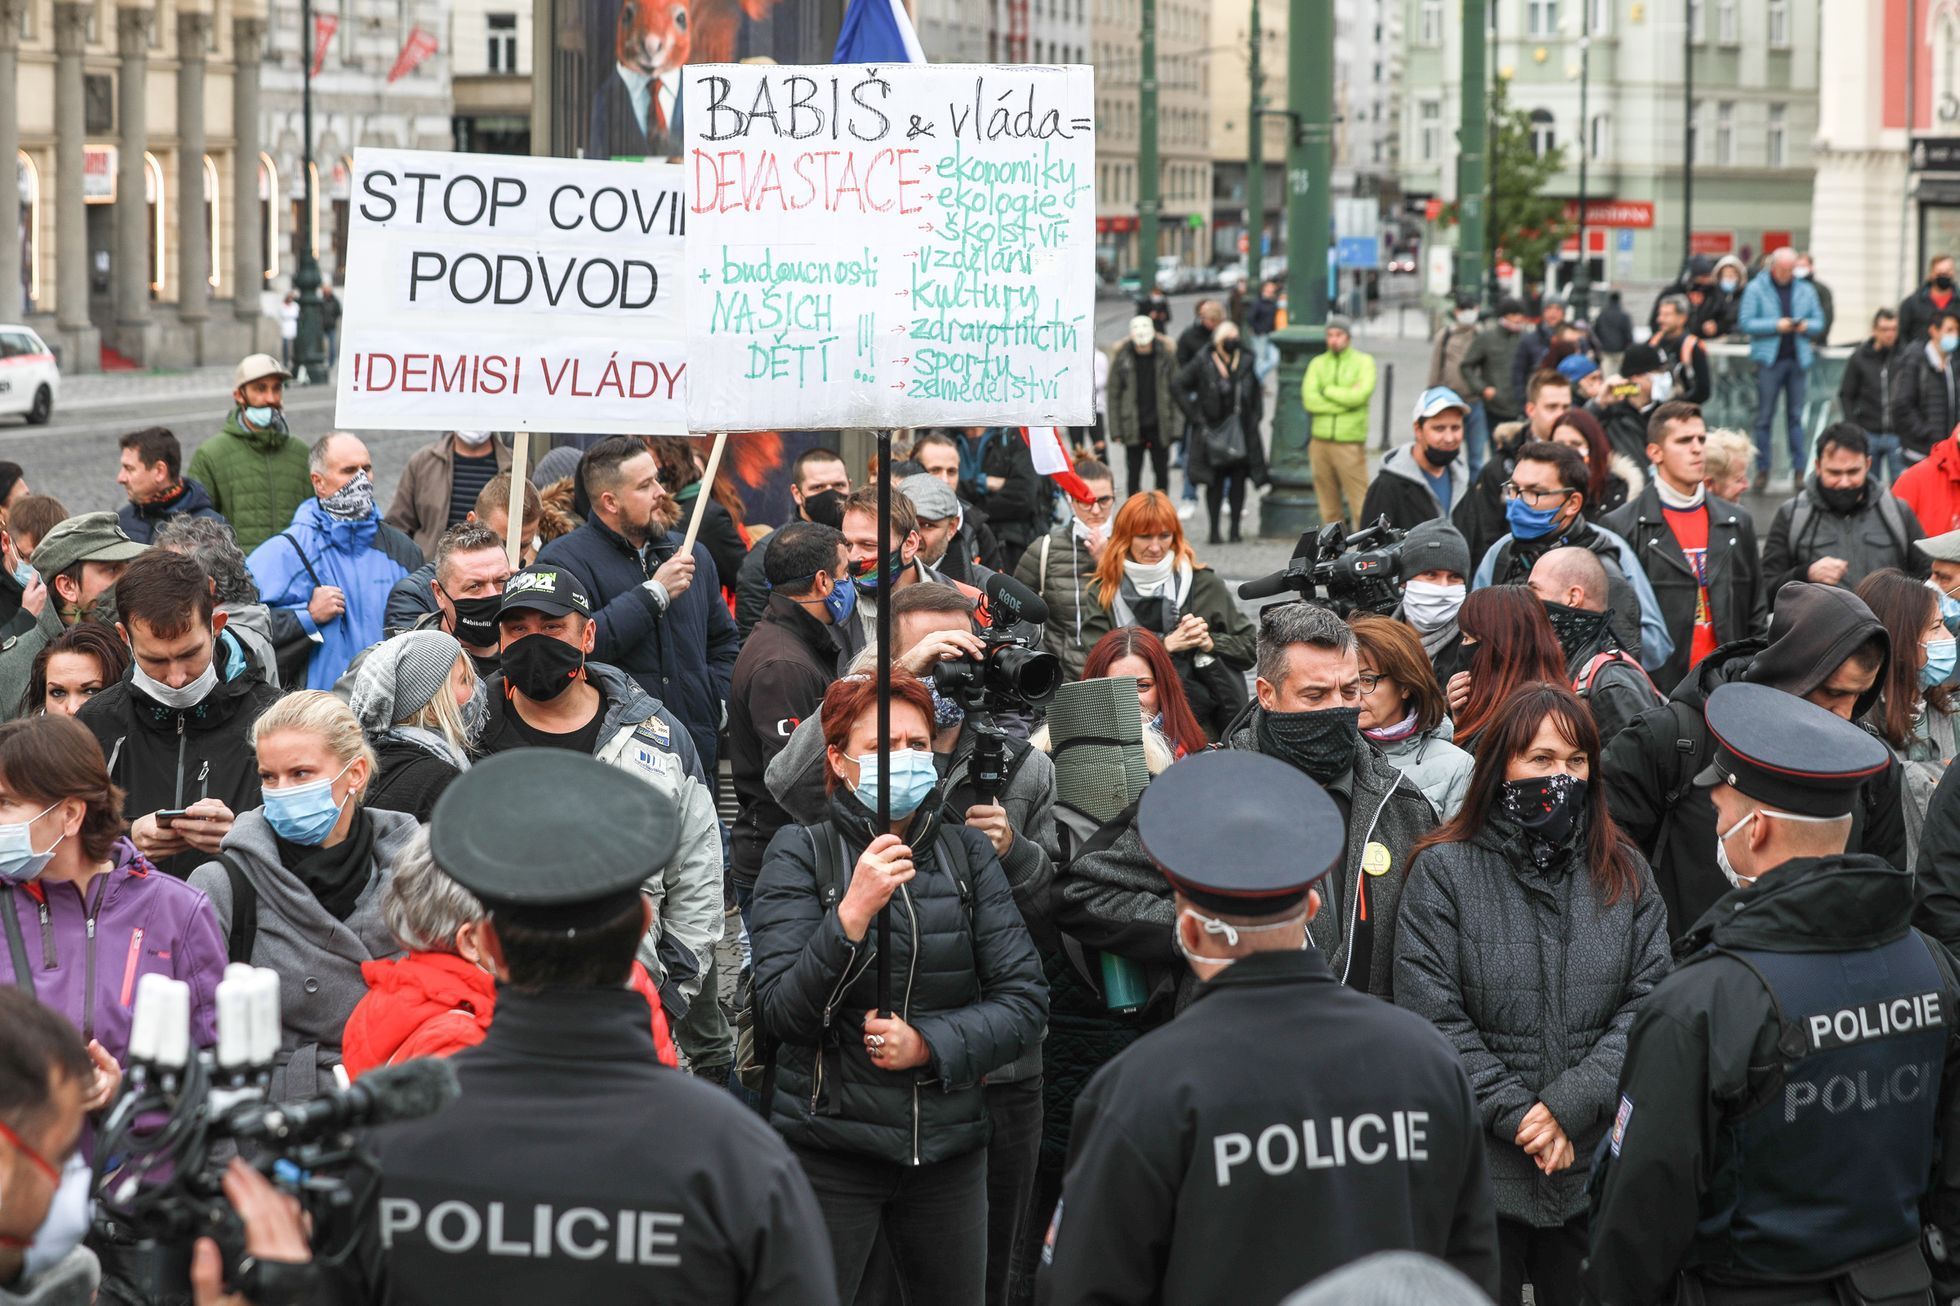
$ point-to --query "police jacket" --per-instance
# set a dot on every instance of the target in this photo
(608, 1171)
(1785, 1091)
(964, 975)
(1737, 597)
(1535, 978)
(1233, 1155)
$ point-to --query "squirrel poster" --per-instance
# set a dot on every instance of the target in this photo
(636, 109)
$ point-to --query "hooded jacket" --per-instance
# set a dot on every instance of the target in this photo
(256, 479)
(85, 958)
(319, 956)
(1401, 490)
(1535, 978)
(140, 520)
(1879, 391)
(1737, 596)
(1650, 766)
(162, 757)
(363, 558)
(1931, 487)
(1433, 762)
(1625, 482)
(1116, 900)
(964, 975)
(1879, 532)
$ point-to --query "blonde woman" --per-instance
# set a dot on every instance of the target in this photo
(297, 884)
(419, 702)
(1725, 463)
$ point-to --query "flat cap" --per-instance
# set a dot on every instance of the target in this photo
(552, 839)
(1940, 548)
(1787, 753)
(930, 497)
(89, 537)
(1240, 832)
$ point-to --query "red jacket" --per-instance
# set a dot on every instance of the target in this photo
(435, 1004)
(1931, 488)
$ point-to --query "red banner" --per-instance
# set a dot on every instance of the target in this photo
(324, 26)
(1712, 242)
(419, 46)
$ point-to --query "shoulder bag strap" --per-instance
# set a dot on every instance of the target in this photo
(304, 561)
(244, 913)
(16, 945)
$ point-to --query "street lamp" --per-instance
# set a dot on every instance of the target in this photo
(309, 348)
(1582, 279)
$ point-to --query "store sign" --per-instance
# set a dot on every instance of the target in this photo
(98, 174)
(1612, 213)
(1714, 243)
(1935, 154)
(1775, 240)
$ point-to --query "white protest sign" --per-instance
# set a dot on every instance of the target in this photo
(505, 293)
(889, 246)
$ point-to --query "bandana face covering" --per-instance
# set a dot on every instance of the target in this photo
(1320, 743)
(352, 501)
(873, 576)
(1549, 809)
(1576, 628)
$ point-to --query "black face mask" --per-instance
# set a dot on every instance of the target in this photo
(1549, 809)
(1576, 628)
(1842, 501)
(1942, 283)
(1441, 458)
(1228, 347)
(826, 508)
(1320, 743)
(541, 667)
(476, 619)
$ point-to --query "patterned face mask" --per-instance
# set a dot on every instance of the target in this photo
(352, 501)
(1548, 808)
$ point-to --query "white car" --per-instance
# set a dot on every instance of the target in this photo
(29, 377)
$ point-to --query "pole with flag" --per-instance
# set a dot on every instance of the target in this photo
(877, 31)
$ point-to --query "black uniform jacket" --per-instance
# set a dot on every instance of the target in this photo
(1704, 1049)
(1281, 1127)
(575, 1167)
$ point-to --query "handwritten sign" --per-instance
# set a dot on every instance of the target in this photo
(873, 246)
(506, 293)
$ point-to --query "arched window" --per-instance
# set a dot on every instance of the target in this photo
(153, 195)
(211, 264)
(268, 213)
(1543, 139)
(29, 180)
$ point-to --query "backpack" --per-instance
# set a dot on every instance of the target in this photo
(1890, 511)
(1582, 683)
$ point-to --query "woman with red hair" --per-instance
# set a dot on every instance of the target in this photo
(1149, 577)
(887, 1113)
(1612, 479)
(1512, 646)
(1133, 651)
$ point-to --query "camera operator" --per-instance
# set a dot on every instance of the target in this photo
(45, 1078)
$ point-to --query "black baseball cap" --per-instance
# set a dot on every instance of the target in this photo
(545, 588)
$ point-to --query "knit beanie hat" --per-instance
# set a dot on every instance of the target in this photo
(1435, 545)
(401, 676)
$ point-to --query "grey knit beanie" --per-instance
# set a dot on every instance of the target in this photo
(401, 676)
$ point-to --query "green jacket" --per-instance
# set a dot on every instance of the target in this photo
(257, 479)
(1336, 391)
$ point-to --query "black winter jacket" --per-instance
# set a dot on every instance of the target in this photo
(1207, 400)
(1018, 511)
(411, 601)
(1535, 979)
(1694, 378)
(964, 975)
(1936, 403)
(1879, 533)
(780, 678)
(1878, 390)
(409, 779)
(1737, 596)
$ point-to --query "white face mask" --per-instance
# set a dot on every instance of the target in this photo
(67, 1222)
(1468, 317)
(1142, 334)
(1214, 926)
(1736, 880)
(1663, 387)
(181, 699)
(1428, 605)
(473, 438)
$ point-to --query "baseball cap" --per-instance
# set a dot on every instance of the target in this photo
(255, 367)
(1576, 367)
(90, 537)
(1438, 399)
(547, 589)
(1641, 359)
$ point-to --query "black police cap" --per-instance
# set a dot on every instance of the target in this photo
(1239, 832)
(552, 839)
(1788, 753)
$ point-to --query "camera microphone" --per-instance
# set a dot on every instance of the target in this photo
(1017, 601)
(1266, 587)
(406, 1092)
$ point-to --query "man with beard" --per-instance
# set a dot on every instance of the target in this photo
(1841, 527)
(1571, 583)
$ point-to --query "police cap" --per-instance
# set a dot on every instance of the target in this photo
(1787, 752)
(1239, 832)
(552, 839)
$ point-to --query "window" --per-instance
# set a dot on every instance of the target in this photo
(1541, 17)
(1728, 25)
(1601, 15)
(1779, 24)
(1429, 130)
(210, 221)
(1776, 140)
(1431, 22)
(1725, 133)
(503, 42)
(1600, 136)
(1695, 29)
(1543, 139)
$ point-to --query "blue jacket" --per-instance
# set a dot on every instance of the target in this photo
(1761, 308)
(684, 656)
(364, 558)
(140, 520)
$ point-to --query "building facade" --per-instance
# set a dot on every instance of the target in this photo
(1753, 111)
(1185, 69)
(135, 131)
(490, 75)
(1231, 111)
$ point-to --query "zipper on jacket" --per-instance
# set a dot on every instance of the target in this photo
(88, 964)
(1354, 906)
(905, 1009)
(204, 780)
(179, 790)
(49, 958)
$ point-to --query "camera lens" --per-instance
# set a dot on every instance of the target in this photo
(1026, 674)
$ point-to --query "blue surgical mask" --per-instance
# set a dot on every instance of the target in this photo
(1949, 608)
(1940, 659)
(913, 777)
(24, 574)
(19, 863)
(304, 814)
(842, 600)
(1949, 343)
(1528, 523)
(261, 415)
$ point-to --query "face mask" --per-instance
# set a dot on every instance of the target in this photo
(19, 863)
(1576, 628)
(1949, 608)
(1441, 458)
(1949, 343)
(946, 712)
(183, 699)
(353, 501)
(1142, 336)
(24, 575)
(1730, 283)
(472, 438)
(1228, 347)
(476, 619)
(263, 416)
(1943, 282)
(1722, 854)
(1320, 743)
(827, 508)
(871, 576)
(1842, 499)
(67, 1222)
(1528, 523)
(1663, 387)
(1428, 605)
(1940, 658)
(1549, 808)
(541, 667)
(475, 712)
(304, 814)
(1230, 932)
(913, 777)
(1468, 317)
(1803, 274)
(842, 600)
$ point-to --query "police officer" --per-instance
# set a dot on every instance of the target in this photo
(1284, 1125)
(1786, 1090)
(574, 1166)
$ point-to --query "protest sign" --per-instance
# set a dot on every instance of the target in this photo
(889, 246)
(498, 292)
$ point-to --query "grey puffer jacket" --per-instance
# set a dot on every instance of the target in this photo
(318, 958)
(1537, 981)
(1437, 766)
(1060, 568)
(964, 975)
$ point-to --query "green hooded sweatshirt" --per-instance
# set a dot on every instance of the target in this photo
(257, 479)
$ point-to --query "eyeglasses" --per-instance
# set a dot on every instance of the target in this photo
(1102, 503)
(1535, 497)
(1369, 679)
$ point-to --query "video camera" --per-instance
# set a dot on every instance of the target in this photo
(160, 1155)
(1009, 675)
(1342, 572)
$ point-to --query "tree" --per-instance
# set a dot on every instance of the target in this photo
(1529, 224)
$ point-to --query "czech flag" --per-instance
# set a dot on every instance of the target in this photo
(1050, 453)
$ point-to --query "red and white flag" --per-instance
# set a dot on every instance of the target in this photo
(419, 46)
(1050, 453)
(324, 26)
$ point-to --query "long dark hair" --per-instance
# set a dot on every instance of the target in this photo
(1599, 455)
(89, 638)
(1905, 607)
(1610, 856)
(1515, 646)
(1180, 723)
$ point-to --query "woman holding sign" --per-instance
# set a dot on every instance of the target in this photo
(1223, 399)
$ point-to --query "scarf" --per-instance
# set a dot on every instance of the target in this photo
(1673, 498)
(1396, 733)
(1577, 630)
(1152, 596)
(1544, 816)
(334, 876)
(432, 742)
(1323, 743)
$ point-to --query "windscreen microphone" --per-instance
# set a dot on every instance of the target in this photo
(1265, 587)
(409, 1091)
(1020, 603)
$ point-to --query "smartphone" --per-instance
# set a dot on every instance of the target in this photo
(1626, 391)
(168, 817)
